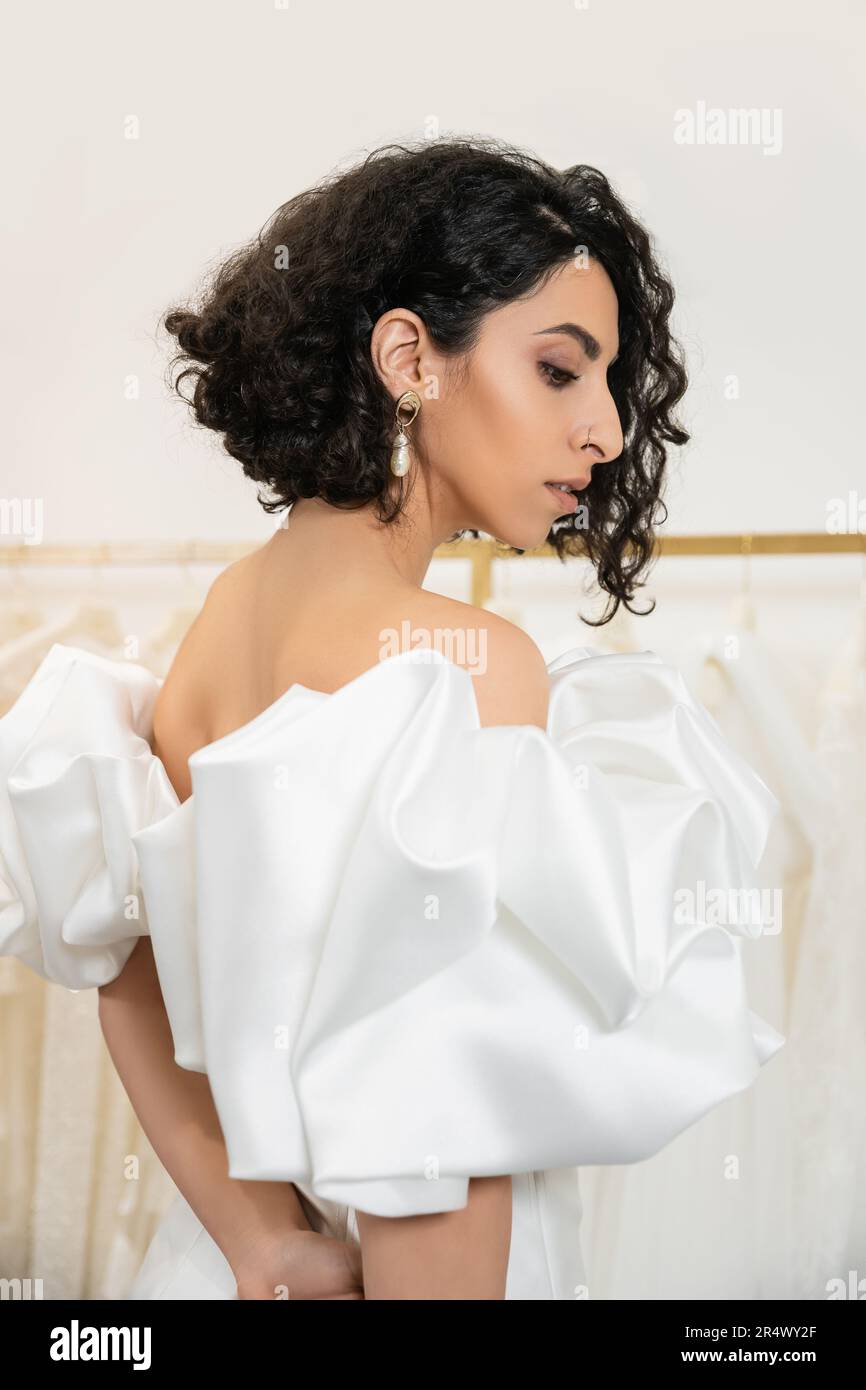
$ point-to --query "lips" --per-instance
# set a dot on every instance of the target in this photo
(566, 501)
(576, 484)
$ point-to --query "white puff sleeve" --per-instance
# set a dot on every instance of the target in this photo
(77, 778)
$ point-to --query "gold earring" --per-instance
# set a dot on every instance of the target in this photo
(400, 451)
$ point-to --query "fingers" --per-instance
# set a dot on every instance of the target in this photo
(354, 1262)
(307, 1266)
(335, 1265)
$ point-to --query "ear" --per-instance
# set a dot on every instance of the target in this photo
(401, 352)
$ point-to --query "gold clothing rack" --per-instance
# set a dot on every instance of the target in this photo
(481, 553)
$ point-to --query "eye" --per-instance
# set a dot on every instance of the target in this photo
(555, 376)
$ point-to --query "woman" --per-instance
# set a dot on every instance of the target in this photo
(445, 339)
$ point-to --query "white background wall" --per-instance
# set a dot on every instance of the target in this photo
(240, 105)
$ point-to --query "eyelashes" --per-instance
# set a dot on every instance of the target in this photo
(556, 376)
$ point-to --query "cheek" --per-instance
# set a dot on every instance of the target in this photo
(499, 419)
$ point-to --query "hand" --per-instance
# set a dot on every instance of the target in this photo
(300, 1264)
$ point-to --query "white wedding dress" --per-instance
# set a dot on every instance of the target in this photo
(406, 949)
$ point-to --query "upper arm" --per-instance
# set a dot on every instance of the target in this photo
(137, 980)
(461, 1254)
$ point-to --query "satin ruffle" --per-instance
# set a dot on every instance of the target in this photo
(406, 949)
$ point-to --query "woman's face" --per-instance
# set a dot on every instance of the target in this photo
(493, 436)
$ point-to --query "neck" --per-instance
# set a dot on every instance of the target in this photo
(355, 545)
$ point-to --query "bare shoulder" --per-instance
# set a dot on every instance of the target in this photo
(180, 692)
(507, 667)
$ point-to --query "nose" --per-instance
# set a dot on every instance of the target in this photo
(601, 441)
(591, 453)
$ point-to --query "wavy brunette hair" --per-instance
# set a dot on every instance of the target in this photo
(279, 346)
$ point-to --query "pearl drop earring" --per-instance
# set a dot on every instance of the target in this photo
(400, 452)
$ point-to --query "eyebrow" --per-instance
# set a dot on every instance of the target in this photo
(587, 340)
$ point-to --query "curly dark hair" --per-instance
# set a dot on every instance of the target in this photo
(280, 345)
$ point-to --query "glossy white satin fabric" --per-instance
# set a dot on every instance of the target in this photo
(407, 949)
